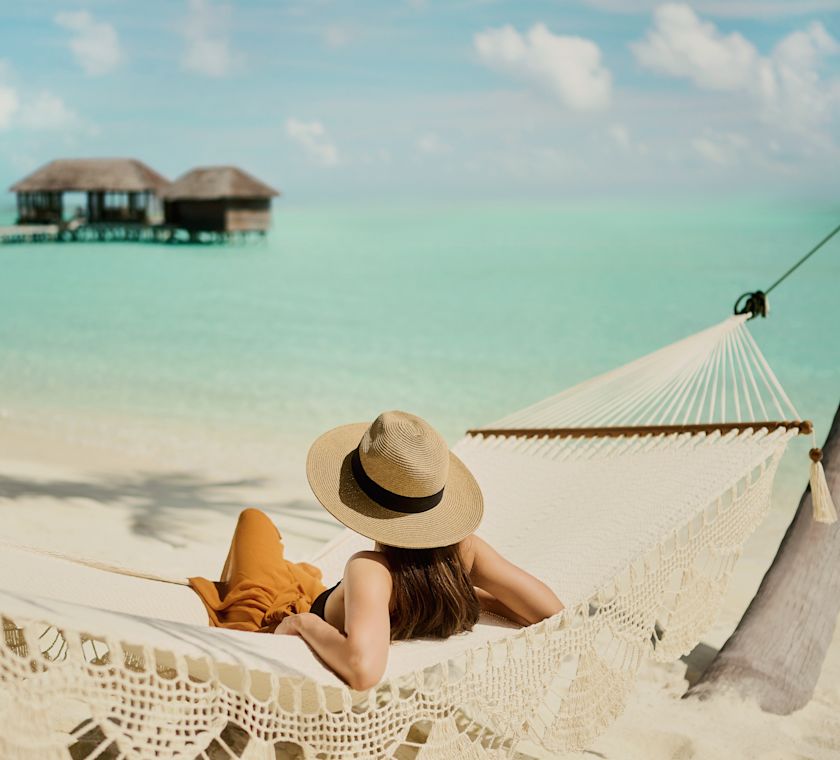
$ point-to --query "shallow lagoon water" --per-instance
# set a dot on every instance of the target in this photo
(461, 314)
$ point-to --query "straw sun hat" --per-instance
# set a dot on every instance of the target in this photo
(394, 480)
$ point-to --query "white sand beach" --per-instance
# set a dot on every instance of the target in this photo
(162, 513)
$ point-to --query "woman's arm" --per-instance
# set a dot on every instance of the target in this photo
(359, 655)
(490, 604)
(520, 592)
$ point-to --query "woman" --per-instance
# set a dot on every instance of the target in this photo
(394, 481)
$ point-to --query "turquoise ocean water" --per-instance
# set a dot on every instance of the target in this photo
(461, 314)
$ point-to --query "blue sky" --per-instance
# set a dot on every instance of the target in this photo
(466, 99)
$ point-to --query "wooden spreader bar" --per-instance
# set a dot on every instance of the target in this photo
(803, 426)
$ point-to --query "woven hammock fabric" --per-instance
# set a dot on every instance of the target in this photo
(638, 535)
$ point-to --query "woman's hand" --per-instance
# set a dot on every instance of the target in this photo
(289, 626)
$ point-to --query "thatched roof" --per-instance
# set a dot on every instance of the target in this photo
(84, 174)
(212, 182)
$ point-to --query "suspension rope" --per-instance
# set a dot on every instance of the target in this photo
(804, 259)
(755, 303)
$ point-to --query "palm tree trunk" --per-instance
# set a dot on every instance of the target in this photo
(776, 652)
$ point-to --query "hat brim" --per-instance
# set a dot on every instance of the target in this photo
(328, 469)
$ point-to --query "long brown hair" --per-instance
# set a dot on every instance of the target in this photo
(432, 592)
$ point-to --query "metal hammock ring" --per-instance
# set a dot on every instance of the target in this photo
(752, 303)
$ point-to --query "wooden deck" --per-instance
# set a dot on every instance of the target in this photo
(28, 233)
(80, 231)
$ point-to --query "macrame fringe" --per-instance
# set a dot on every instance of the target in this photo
(824, 510)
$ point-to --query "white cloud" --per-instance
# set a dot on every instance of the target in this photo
(43, 112)
(620, 135)
(681, 45)
(336, 36)
(568, 67)
(710, 150)
(721, 150)
(376, 157)
(208, 50)
(40, 111)
(314, 138)
(786, 84)
(751, 9)
(9, 105)
(95, 44)
(530, 164)
(796, 93)
(432, 145)
(47, 111)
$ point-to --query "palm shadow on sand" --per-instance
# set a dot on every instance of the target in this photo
(161, 504)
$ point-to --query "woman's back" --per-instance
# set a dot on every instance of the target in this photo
(431, 593)
(440, 592)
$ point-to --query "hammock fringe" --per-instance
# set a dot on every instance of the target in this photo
(823, 504)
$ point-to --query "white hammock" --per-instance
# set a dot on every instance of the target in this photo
(636, 524)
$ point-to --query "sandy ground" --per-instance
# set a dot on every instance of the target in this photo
(157, 510)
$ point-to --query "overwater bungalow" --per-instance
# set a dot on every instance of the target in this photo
(218, 199)
(121, 190)
(116, 199)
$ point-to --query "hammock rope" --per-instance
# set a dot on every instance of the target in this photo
(107, 567)
(700, 384)
(718, 375)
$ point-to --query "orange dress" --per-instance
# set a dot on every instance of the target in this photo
(259, 586)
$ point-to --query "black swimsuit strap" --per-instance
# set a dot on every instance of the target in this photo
(319, 606)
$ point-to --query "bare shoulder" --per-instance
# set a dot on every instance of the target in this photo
(368, 564)
(480, 558)
(470, 548)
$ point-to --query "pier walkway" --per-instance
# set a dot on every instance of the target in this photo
(79, 231)
(27, 233)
